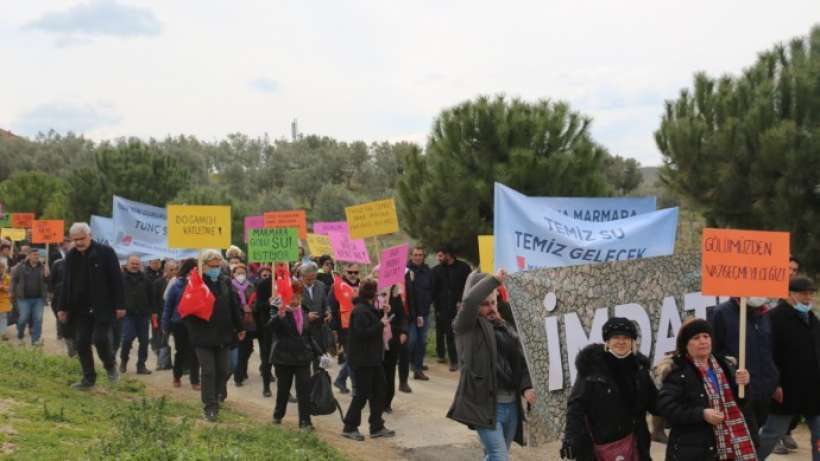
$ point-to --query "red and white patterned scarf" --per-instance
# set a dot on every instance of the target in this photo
(731, 436)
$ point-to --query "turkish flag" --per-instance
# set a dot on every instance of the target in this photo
(283, 286)
(197, 299)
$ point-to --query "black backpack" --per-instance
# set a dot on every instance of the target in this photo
(322, 401)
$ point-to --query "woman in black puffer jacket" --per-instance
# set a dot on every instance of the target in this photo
(613, 392)
(705, 418)
(292, 353)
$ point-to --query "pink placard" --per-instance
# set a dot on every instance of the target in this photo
(253, 222)
(326, 227)
(344, 249)
(392, 265)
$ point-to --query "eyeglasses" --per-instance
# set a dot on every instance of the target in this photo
(352, 272)
(487, 303)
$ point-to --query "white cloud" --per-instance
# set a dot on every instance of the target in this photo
(265, 85)
(98, 18)
(63, 117)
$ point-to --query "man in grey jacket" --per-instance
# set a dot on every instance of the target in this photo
(315, 298)
(30, 290)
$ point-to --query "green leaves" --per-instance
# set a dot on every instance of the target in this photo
(541, 148)
(745, 151)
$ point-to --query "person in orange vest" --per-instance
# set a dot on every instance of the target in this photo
(345, 289)
(5, 297)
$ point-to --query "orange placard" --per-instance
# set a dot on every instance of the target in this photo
(292, 218)
(22, 220)
(745, 263)
(47, 231)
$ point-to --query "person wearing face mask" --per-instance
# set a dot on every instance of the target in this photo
(610, 398)
(244, 289)
(493, 373)
(262, 315)
(212, 338)
(725, 321)
(796, 333)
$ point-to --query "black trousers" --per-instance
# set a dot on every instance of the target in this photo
(213, 363)
(368, 387)
(88, 331)
(116, 335)
(285, 375)
(245, 352)
(265, 338)
(184, 353)
(391, 360)
(755, 412)
(445, 337)
(404, 361)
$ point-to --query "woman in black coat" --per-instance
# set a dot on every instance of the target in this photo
(398, 338)
(212, 338)
(262, 313)
(365, 354)
(293, 351)
(612, 393)
(706, 422)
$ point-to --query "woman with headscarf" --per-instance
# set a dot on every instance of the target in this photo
(699, 401)
(493, 373)
(244, 289)
(606, 412)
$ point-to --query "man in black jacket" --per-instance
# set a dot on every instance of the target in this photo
(797, 356)
(90, 301)
(136, 324)
(419, 283)
(449, 278)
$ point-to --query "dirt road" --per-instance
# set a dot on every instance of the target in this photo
(423, 433)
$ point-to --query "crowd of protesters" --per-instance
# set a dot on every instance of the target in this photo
(297, 315)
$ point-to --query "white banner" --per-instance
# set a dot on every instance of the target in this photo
(141, 228)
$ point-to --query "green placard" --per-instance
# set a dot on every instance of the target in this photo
(271, 245)
(5, 220)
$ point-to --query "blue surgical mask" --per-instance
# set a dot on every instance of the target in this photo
(804, 308)
(213, 273)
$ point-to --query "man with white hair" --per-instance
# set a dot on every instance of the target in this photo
(90, 301)
(316, 300)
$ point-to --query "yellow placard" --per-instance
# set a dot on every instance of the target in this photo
(486, 253)
(199, 226)
(319, 245)
(15, 235)
(372, 219)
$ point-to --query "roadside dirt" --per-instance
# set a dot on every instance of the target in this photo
(423, 433)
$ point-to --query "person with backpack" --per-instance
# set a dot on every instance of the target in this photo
(293, 351)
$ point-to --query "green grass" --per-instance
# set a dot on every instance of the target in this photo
(42, 418)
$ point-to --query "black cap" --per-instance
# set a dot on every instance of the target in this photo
(689, 330)
(619, 326)
(801, 284)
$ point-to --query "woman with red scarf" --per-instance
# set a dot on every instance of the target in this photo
(699, 401)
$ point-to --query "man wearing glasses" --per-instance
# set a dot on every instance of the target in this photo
(345, 290)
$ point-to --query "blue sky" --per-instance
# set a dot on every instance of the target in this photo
(370, 70)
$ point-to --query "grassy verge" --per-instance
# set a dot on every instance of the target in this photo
(42, 418)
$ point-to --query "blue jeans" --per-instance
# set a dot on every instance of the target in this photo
(135, 326)
(3, 322)
(418, 343)
(233, 359)
(777, 425)
(30, 309)
(497, 441)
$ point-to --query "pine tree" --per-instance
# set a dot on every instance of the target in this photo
(746, 150)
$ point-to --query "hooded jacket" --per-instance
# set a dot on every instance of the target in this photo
(597, 404)
(475, 400)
